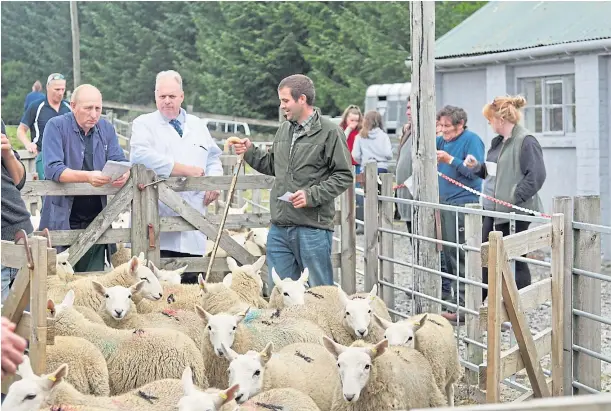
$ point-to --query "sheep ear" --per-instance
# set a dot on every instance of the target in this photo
(227, 395)
(136, 288)
(276, 278)
(204, 315)
(416, 325)
(227, 280)
(244, 207)
(266, 354)
(152, 267)
(334, 348)
(187, 381)
(201, 282)
(250, 235)
(228, 352)
(134, 264)
(24, 370)
(51, 380)
(373, 293)
(378, 349)
(63, 256)
(241, 316)
(305, 275)
(181, 270)
(232, 264)
(99, 288)
(259, 263)
(343, 297)
(69, 299)
(382, 322)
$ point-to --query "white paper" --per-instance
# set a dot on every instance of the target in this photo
(285, 197)
(115, 169)
(409, 183)
(491, 168)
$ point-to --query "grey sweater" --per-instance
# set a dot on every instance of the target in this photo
(15, 215)
(403, 172)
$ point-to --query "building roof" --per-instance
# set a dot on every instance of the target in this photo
(502, 26)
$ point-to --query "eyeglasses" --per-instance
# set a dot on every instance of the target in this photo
(55, 76)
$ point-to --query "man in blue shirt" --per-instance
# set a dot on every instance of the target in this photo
(34, 95)
(453, 146)
(77, 145)
(38, 114)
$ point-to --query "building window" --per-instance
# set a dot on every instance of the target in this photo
(551, 104)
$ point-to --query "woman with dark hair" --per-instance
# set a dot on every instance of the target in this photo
(514, 172)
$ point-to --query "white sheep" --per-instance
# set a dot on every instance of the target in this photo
(245, 281)
(288, 292)
(288, 399)
(134, 358)
(122, 220)
(49, 391)
(358, 314)
(433, 336)
(210, 400)
(244, 332)
(374, 377)
(307, 367)
(63, 268)
(259, 237)
(239, 238)
(88, 369)
(118, 311)
(168, 276)
(126, 275)
(121, 256)
(233, 210)
(35, 219)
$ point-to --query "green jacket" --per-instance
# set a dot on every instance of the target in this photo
(319, 164)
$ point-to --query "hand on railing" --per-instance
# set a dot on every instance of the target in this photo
(13, 347)
(120, 182)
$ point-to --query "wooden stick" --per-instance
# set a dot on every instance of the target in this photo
(234, 180)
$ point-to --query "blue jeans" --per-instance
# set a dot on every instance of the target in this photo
(291, 249)
(8, 275)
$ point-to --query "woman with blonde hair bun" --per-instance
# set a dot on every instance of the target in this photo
(514, 171)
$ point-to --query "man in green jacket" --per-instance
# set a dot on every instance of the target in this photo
(311, 163)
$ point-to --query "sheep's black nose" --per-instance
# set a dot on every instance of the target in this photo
(239, 397)
(119, 312)
(349, 397)
(362, 331)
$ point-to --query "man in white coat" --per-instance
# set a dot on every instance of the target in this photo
(174, 143)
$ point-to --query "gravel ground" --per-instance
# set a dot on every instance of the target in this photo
(539, 318)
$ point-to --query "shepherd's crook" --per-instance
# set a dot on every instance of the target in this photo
(234, 180)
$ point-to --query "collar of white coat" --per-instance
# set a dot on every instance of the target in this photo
(182, 117)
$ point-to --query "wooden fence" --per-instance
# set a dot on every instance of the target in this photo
(144, 189)
(35, 259)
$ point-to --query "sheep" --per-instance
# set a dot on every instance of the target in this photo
(90, 314)
(118, 311)
(35, 219)
(210, 400)
(122, 220)
(288, 292)
(244, 332)
(122, 255)
(285, 399)
(259, 237)
(239, 238)
(233, 210)
(126, 275)
(246, 282)
(307, 367)
(63, 268)
(167, 276)
(357, 314)
(134, 358)
(433, 336)
(374, 377)
(89, 372)
(48, 391)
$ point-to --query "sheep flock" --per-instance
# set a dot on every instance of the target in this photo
(123, 344)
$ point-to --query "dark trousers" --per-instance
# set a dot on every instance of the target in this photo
(522, 272)
(186, 277)
(93, 259)
(455, 262)
(441, 254)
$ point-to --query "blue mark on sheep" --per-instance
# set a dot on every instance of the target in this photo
(251, 316)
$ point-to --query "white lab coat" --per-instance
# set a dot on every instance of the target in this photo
(157, 145)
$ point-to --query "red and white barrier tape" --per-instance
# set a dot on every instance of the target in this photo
(486, 196)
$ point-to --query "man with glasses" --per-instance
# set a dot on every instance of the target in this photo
(37, 115)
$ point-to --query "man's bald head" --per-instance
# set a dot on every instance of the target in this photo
(86, 103)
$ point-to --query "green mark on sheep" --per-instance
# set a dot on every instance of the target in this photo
(108, 348)
(251, 316)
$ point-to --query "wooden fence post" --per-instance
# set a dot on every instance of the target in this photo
(587, 293)
(495, 277)
(336, 245)
(139, 230)
(348, 243)
(38, 305)
(557, 304)
(564, 205)
(371, 225)
(473, 294)
(386, 220)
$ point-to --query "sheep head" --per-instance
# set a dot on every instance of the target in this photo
(152, 289)
(247, 370)
(357, 312)
(195, 400)
(118, 299)
(221, 329)
(402, 332)
(293, 292)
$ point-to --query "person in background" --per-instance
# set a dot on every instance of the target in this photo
(174, 143)
(352, 121)
(77, 146)
(15, 215)
(12, 347)
(34, 95)
(372, 144)
(38, 114)
(514, 172)
(310, 160)
(453, 146)
(404, 168)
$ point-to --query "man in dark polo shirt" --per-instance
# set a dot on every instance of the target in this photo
(77, 145)
(14, 215)
(38, 113)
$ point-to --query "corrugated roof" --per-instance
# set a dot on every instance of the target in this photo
(514, 25)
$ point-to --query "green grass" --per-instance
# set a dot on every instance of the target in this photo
(11, 133)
